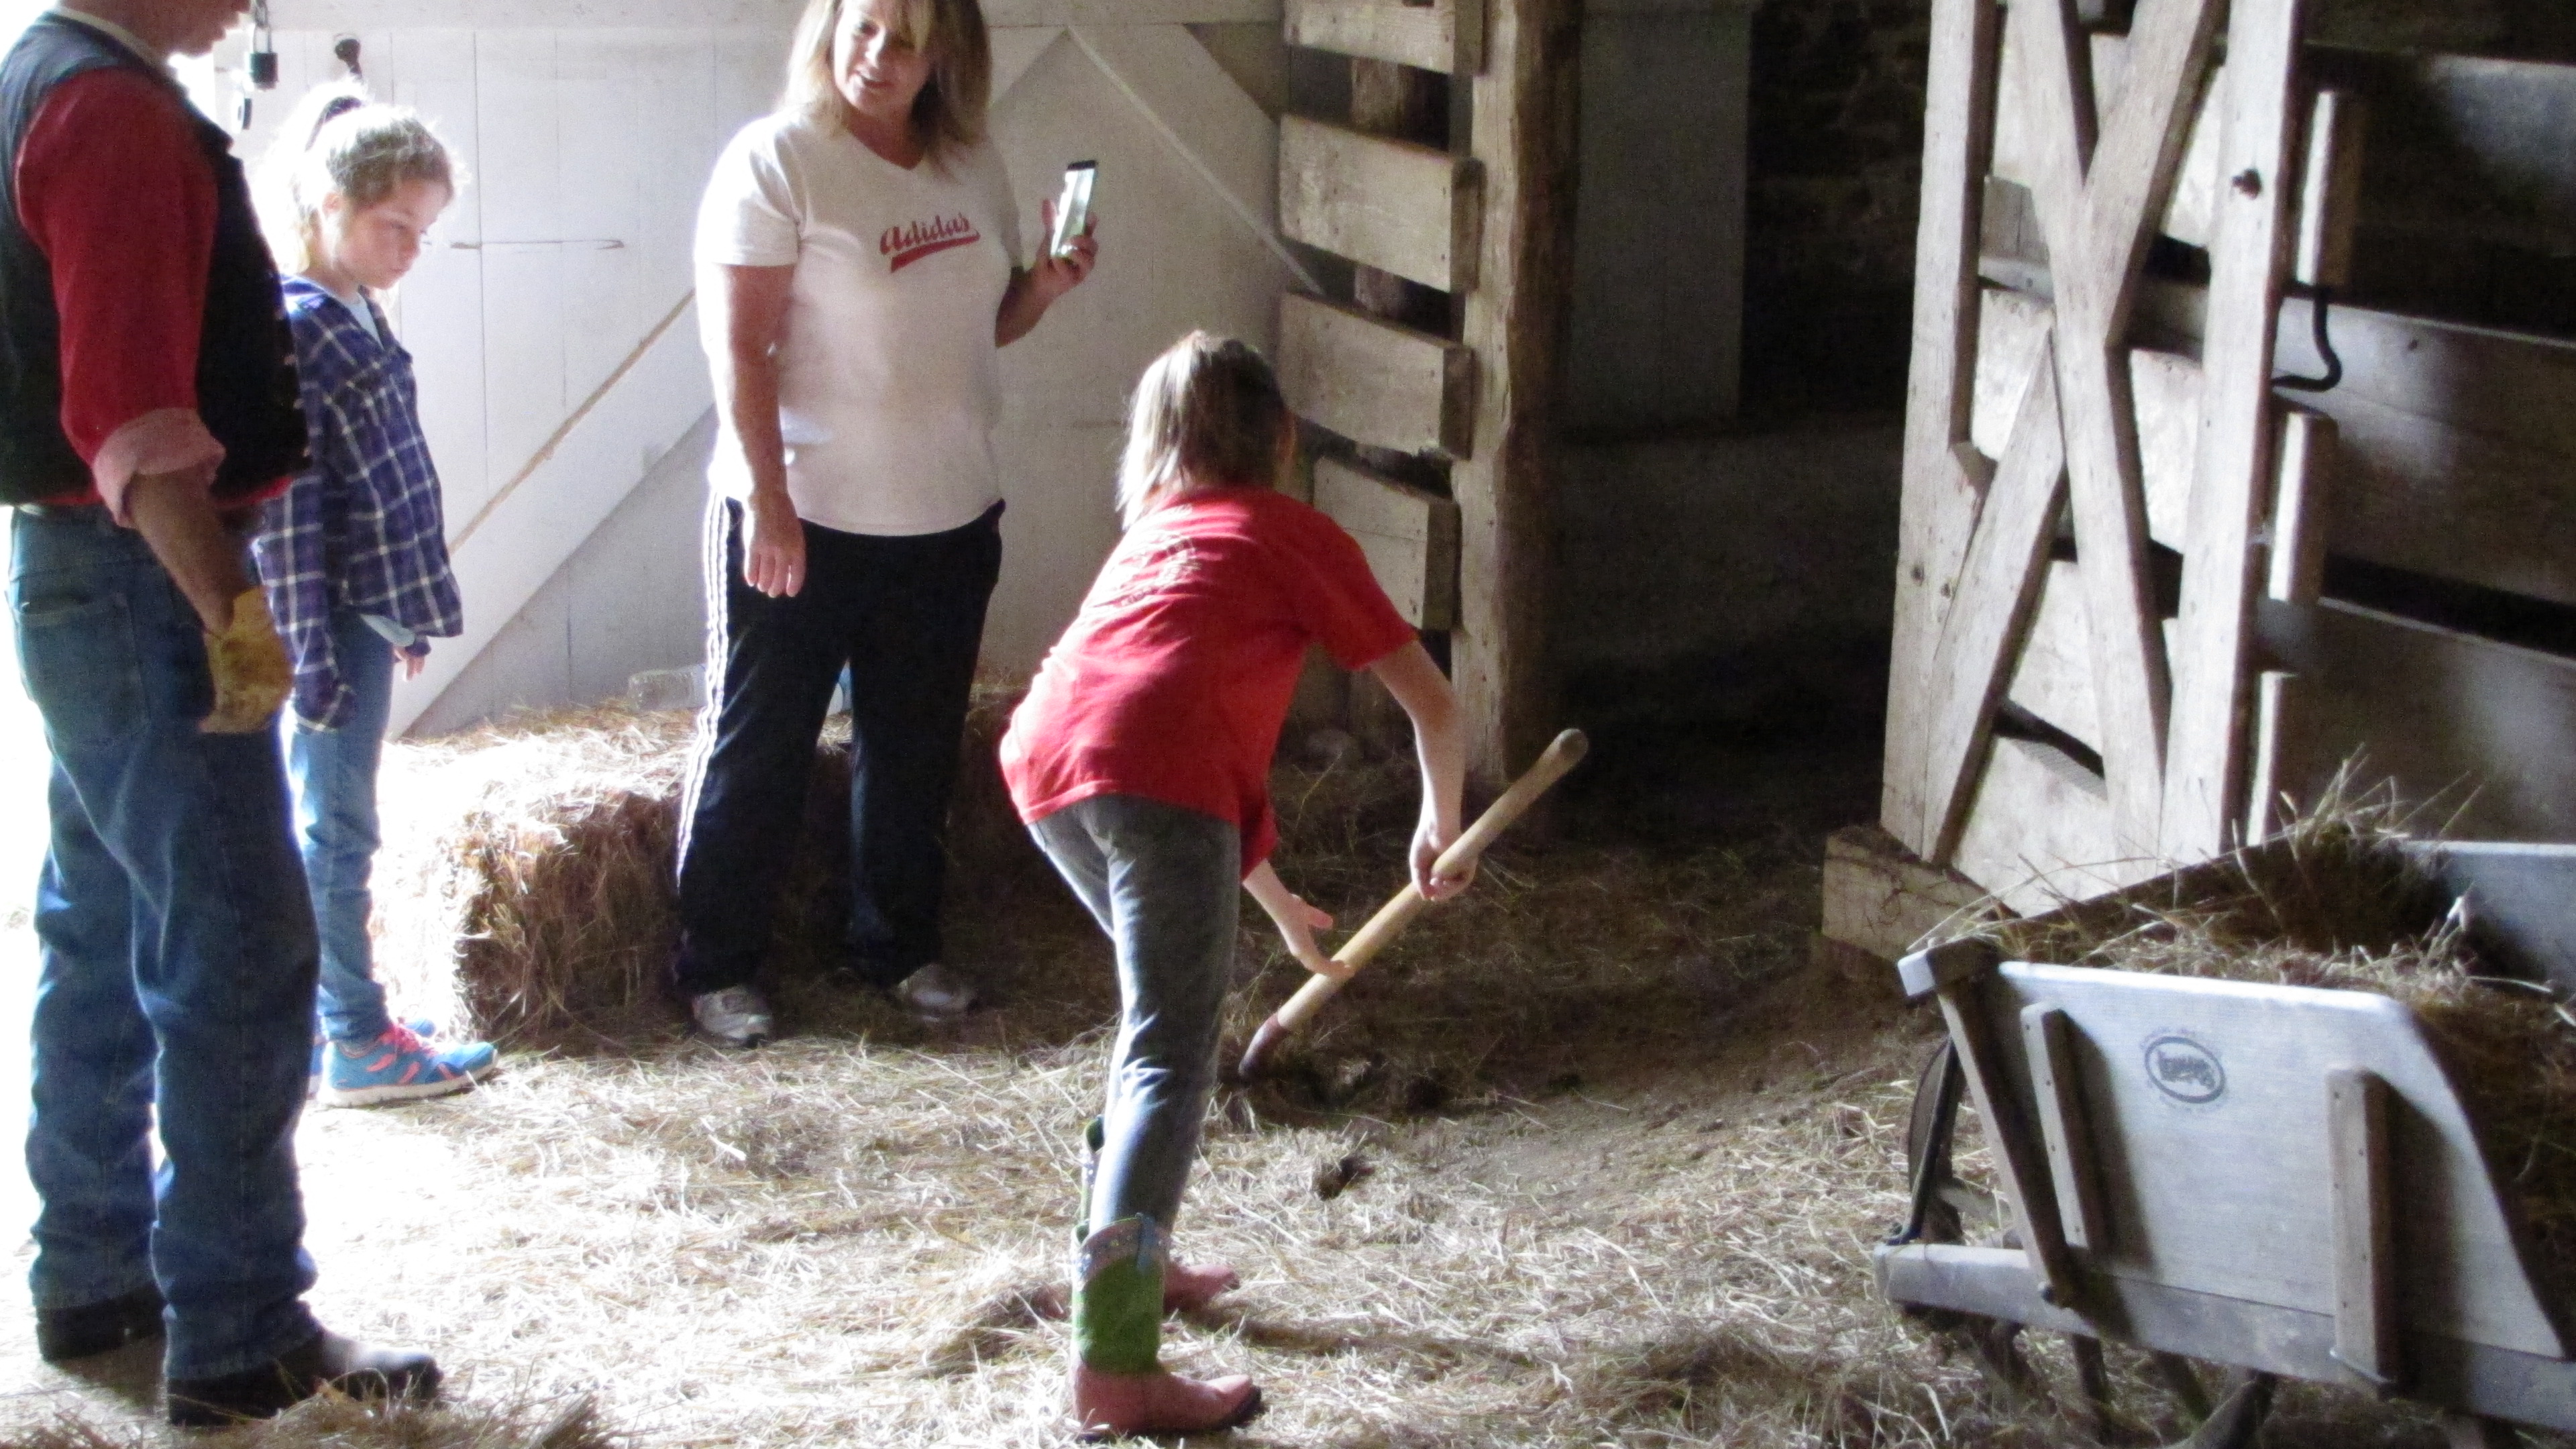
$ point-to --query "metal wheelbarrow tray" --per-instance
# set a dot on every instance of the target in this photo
(2281, 1179)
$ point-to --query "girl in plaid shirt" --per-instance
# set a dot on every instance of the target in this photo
(354, 554)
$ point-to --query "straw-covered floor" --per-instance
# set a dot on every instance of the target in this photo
(1591, 1157)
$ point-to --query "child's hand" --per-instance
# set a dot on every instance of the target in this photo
(1297, 926)
(1297, 921)
(1429, 839)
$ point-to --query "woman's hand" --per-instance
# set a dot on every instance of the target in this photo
(773, 544)
(409, 663)
(1297, 920)
(1060, 272)
(1032, 292)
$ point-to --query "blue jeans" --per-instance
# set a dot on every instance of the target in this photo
(176, 965)
(1165, 883)
(334, 772)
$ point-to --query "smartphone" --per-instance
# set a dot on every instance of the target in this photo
(1072, 206)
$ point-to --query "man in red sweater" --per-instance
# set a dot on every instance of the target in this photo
(147, 403)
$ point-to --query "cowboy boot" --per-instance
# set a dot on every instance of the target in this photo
(1187, 1288)
(1119, 1384)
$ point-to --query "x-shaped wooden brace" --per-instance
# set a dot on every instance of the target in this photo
(2098, 204)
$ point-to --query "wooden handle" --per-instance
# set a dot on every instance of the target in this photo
(1562, 754)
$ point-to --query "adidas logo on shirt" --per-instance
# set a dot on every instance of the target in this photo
(904, 245)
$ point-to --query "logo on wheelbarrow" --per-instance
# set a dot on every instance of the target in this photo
(2185, 1070)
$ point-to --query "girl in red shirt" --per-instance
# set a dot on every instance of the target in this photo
(1140, 761)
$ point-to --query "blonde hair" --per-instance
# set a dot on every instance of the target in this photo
(338, 142)
(1207, 413)
(948, 115)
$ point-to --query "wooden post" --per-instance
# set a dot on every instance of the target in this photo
(2249, 257)
(1522, 123)
(1941, 493)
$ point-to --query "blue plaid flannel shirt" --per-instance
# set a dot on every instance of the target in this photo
(363, 529)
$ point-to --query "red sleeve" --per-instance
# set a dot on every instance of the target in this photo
(113, 187)
(1341, 601)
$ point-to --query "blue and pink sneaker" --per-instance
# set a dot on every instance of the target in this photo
(399, 1067)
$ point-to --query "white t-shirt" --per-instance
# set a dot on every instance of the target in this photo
(888, 383)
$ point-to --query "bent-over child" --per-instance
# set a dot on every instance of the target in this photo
(1141, 762)
(354, 554)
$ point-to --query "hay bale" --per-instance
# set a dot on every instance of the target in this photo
(2337, 903)
(525, 889)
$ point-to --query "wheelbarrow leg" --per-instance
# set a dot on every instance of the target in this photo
(2239, 1417)
(2095, 1377)
(2181, 1382)
(2477, 1431)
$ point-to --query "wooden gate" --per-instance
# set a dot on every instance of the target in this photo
(2086, 503)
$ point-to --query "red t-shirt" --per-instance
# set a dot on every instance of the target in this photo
(1174, 679)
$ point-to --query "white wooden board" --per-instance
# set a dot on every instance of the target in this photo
(2207, 1105)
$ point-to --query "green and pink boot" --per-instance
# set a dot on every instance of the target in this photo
(1120, 1386)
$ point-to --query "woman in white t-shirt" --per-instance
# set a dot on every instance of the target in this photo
(858, 266)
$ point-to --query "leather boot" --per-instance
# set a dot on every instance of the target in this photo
(325, 1361)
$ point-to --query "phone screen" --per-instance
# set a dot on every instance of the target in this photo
(1073, 205)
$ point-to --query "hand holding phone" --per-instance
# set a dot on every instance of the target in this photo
(1072, 206)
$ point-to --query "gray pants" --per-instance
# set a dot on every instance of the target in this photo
(1163, 882)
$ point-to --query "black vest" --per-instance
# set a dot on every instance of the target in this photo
(245, 358)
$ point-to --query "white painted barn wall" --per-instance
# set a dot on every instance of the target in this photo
(557, 351)
(628, 600)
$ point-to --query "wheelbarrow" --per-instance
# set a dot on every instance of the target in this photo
(2277, 1179)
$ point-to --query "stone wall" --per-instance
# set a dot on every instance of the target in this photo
(1836, 143)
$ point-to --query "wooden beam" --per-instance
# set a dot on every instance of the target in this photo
(2249, 254)
(1521, 126)
(2330, 191)
(1375, 382)
(1882, 899)
(2278, 739)
(1998, 585)
(1394, 205)
(770, 17)
(2479, 728)
(1409, 535)
(1447, 36)
(2051, 678)
(2166, 388)
(2365, 1266)
(2455, 441)
(1939, 500)
(2302, 494)
(2040, 832)
(2094, 205)
(2012, 330)
(2185, 214)
(2048, 1044)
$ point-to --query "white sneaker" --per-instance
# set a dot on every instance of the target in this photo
(936, 992)
(737, 1016)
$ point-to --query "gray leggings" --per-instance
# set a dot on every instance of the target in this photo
(1163, 882)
